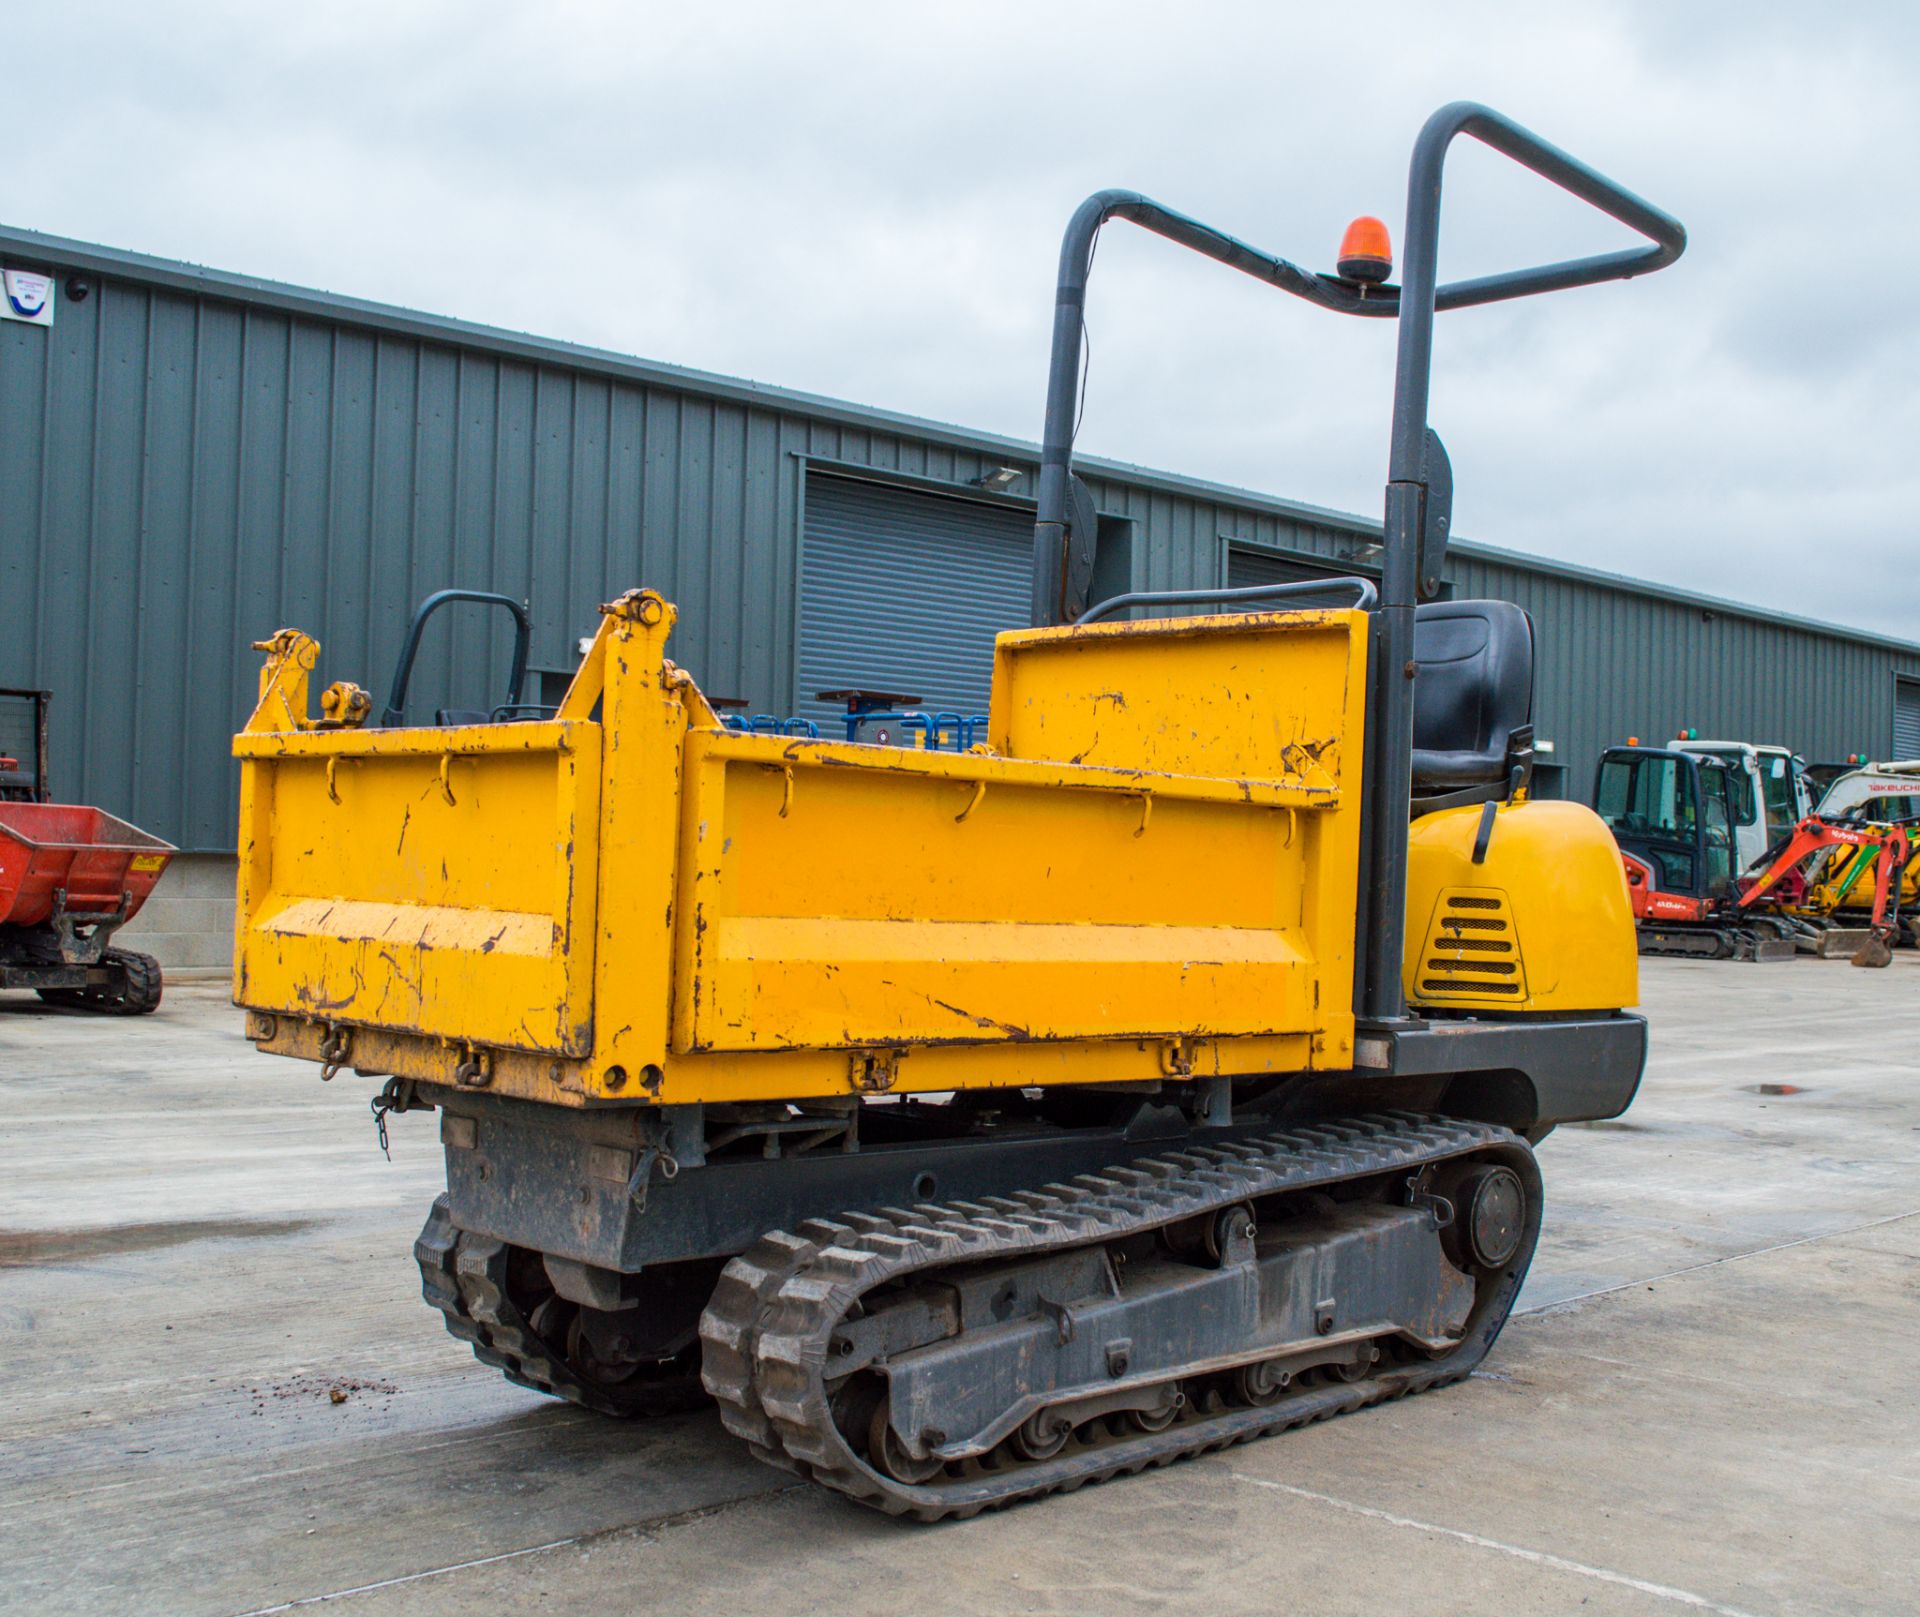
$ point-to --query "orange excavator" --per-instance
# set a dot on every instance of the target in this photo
(1787, 882)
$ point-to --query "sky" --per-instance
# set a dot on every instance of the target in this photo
(865, 201)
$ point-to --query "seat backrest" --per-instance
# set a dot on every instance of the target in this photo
(1474, 689)
(505, 713)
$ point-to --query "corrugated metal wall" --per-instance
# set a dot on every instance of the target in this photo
(1614, 664)
(180, 476)
(189, 461)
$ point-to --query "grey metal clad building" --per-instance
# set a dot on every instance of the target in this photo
(189, 460)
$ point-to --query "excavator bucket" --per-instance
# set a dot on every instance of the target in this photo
(1874, 952)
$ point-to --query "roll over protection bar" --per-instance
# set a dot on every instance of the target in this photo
(396, 708)
(1364, 596)
(1414, 535)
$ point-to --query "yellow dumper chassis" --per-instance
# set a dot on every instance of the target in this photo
(796, 993)
(969, 1126)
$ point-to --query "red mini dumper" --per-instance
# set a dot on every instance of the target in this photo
(70, 877)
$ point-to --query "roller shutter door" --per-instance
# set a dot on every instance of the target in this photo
(1906, 718)
(904, 591)
(1246, 568)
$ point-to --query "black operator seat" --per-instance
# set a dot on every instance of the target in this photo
(1472, 698)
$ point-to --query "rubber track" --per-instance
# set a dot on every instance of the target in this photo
(139, 995)
(1734, 942)
(766, 1331)
(464, 1276)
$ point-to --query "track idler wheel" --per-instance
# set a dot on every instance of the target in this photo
(887, 1453)
(1489, 1217)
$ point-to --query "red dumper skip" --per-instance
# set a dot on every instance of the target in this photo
(70, 877)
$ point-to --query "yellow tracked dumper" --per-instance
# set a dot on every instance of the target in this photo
(1173, 1078)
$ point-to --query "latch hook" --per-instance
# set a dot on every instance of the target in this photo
(334, 1045)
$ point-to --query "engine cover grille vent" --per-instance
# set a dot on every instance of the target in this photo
(1472, 949)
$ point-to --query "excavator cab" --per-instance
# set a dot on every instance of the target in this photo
(1784, 789)
(1676, 816)
(1673, 814)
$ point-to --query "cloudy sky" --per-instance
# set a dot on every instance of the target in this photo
(864, 200)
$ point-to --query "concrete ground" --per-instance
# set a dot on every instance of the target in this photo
(1706, 1403)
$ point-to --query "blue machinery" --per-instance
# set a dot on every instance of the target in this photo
(931, 732)
(768, 724)
(936, 732)
(890, 718)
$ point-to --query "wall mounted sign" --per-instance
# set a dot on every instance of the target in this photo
(26, 295)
